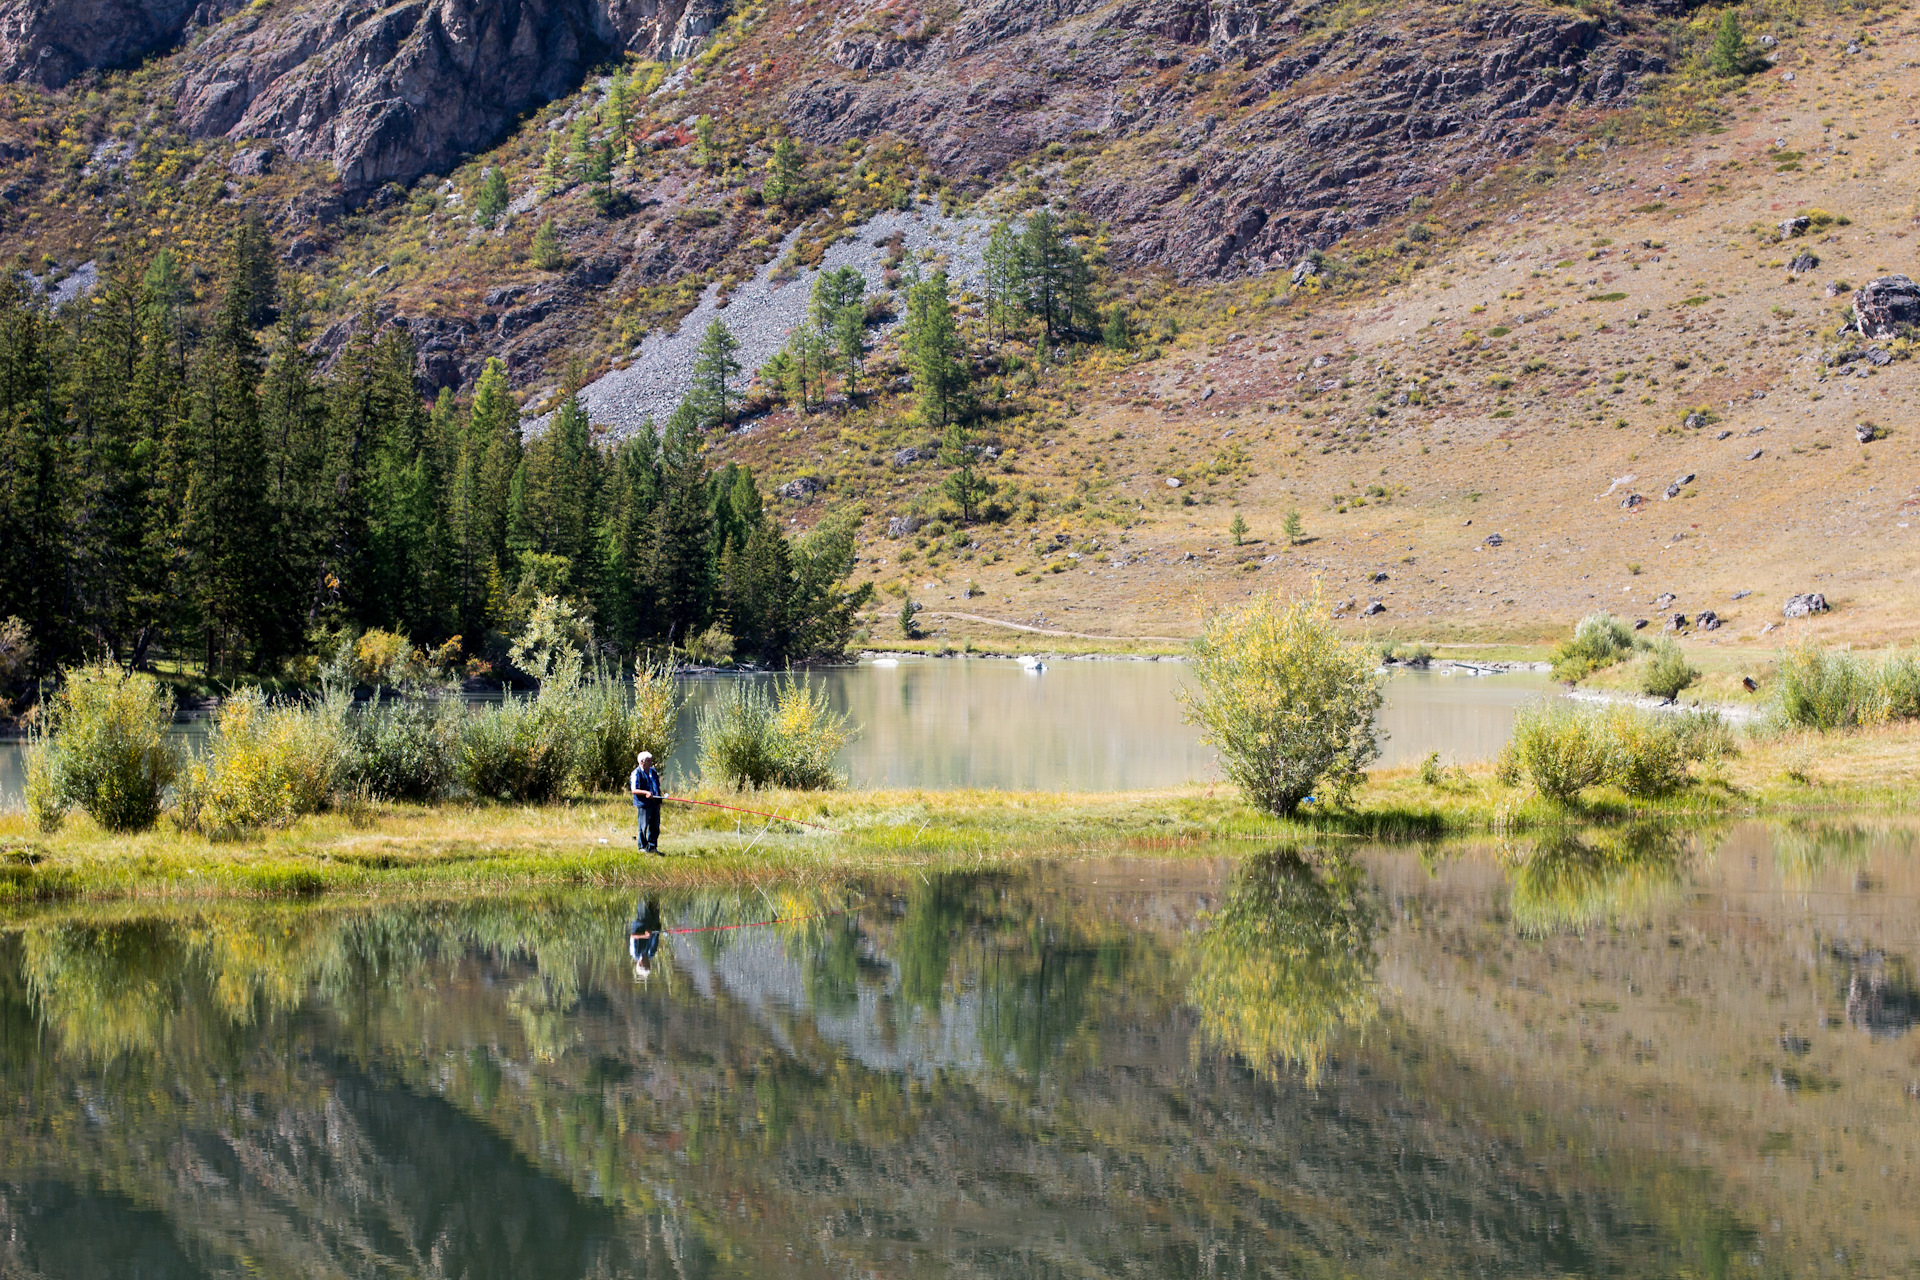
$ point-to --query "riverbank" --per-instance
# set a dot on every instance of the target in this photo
(392, 848)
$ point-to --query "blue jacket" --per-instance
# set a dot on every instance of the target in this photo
(649, 780)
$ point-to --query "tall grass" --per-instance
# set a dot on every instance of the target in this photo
(785, 737)
(1823, 688)
(103, 747)
(1599, 640)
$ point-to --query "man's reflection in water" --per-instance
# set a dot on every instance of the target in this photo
(643, 936)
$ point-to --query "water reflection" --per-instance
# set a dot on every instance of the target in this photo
(1287, 962)
(1622, 1053)
(1573, 879)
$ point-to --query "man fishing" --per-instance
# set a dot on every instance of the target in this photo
(643, 936)
(647, 795)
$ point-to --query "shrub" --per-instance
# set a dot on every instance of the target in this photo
(1899, 685)
(1822, 688)
(1289, 705)
(615, 726)
(1559, 747)
(1667, 672)
(522, 750)
(266, 766)
(1600, 640)
(784, 737)
(105, 749)
(404, 751)
(1645, 754)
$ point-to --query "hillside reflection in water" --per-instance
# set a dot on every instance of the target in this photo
(1632, 1052)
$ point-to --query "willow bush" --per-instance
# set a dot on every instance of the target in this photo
(1563, 748)
(103, 747)
(1288, 703)
(616, 724)
(1598, 640)
(1824, 688)
(266, 765)
(786, 736)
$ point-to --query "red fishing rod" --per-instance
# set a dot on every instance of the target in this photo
(732, 808)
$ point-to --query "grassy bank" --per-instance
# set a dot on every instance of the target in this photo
(393, 848)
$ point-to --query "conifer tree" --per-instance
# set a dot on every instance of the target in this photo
(933, 346)
(715, 366)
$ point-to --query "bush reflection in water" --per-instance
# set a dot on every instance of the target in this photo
(1360, 1063)
(1287, 962)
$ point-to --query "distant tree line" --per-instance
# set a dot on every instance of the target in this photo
(185, 479)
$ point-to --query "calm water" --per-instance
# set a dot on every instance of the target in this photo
(1079, 726)
(1630, 1054)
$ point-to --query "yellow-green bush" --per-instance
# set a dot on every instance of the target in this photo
(265, 766)
(104, 748)
(1564, 748)
(1823, 688)
(786, 737)
(1289, 704)
(1600, 640)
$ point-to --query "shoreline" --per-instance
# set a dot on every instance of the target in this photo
(385, 848)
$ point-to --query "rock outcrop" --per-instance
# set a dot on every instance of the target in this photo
(49, 42)
(1326, 132)
(1883, 308)
(388, 94)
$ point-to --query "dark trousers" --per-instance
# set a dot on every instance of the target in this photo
(648, 816)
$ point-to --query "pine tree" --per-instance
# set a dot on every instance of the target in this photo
(554, 168)
(715, 366)
(1117, 335)
(964, 483)
(547, 253)
(1293, 527)
(707, 151)
(1238, 528)
(786, 172)
(681, 573)
(1005, 273)
(850, 344)
(34, 477)
(225, 510)
(493, 197)
(1055, 279)
(933, 344)
(1729, 55)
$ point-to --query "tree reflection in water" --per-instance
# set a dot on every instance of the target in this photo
(1287, 962)
(1572, 879)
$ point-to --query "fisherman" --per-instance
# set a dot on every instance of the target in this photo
(643, 937)
(647, 795)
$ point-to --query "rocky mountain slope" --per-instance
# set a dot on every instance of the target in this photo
(1382, 262)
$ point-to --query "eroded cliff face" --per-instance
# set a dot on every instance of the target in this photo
(1262, 136)
(49, 42)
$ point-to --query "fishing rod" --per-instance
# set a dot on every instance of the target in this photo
(778, 817)
(757, 924)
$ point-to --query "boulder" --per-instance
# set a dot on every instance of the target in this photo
(1866, 432)
(1795, 227)
(1380, 577)
(903, 526)
(1803, 262)
(1304, 270)
(1373, 608)
(907, 457)
(1803, 605)
(1631, 501)
(801, 487)
(1694, 419)
(1494, 539)
(1666, 598)
(1708, 620)
(1677, 622)
(1639, 624)
(1879, 357)
(1883, 307)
